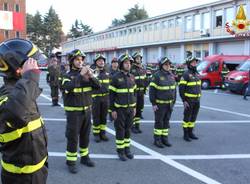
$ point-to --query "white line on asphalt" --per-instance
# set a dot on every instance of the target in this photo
(222, 110)
(174, 157)
(173, 122)
(104, 156)
(163, 158)
(44, 104)
(166, 160)
(176, 105)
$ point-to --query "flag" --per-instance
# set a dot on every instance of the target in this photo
(6, 20)
(12, 20)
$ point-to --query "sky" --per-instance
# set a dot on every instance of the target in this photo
(98, 14)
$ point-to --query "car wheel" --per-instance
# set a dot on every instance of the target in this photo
(205, 84)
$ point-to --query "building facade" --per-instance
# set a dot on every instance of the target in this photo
(199, 31)
(12, 19)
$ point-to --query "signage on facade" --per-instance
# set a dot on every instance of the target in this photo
(240, 27)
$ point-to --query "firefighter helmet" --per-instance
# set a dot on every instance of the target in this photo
(74, 53)
(122, 58)
(190, 59)
(99, 56)
(13, 54)
(136, 54)
(164, 60)
(114, 60)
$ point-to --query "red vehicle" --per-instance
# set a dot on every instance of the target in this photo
(210, 69)
(237, 80)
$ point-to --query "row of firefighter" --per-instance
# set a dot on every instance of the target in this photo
(94, 91)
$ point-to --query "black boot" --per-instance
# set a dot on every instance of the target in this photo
(186, 136)
(97, 138)
(72, 167)
(121, 154)
(85, 160)
(191, 134)
(157, 142)
(137, 126)
(134, 129)
(128, 153)
(164, 140)
(103, 136)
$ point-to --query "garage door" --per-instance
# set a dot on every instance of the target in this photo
(152, 55)
(230, 48)
(174, 54)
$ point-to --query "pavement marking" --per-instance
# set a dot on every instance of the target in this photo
(104, 156)
(166, 160)
(44, 104)
(172, 122)
(174, 157)
(222, 110)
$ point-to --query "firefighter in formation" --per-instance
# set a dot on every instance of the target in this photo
(23, 136)
(123, 104)
(141, 81)
(190, 93)
(100, 100)
(78, 85)
(162, 93)
(53, 79)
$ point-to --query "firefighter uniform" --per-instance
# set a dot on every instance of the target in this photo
(123, 101)
(179, 72)
(141, 81)
(23, 135)
(77, 104)
(100, 102)
(190, 93)
(53, 79)
(162, 93)
(224, 72)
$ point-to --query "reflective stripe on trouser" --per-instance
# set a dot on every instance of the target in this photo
(123, 125)
(71, 156)
(78, 129)
(190, 114)
(162, 117)
(99, 113)
(84, 152)
(127, 143)
(188, 124)
(38, 177)
(139, 107)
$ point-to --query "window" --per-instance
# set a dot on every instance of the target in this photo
(150, 27)
(145, 27)
(214, 67)
(129, 31)
(188, 53)
(171, 23)
(5, 6)
(229, 13)
(164, 24)
(218, 18)
(139, 29)
(197, 53)
(17, 8)
(188, 21)
(206, 21)
(197, 22)
(156, 26)
(6, 34)
(17, 34)
(205, 53)
(178, 22)
(134, 30)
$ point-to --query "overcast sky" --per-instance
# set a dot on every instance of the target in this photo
(98, 14)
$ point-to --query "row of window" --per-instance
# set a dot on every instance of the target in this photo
(195, 22)
(6, 7)
(7, 35)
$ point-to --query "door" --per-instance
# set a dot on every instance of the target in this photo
(214, 74)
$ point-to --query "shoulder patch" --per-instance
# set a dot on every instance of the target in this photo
(120, 79)
(162, 78)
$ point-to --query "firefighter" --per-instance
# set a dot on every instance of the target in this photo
(53, 79)
(122, 104)
(23, 135)
(162, 94)
(190, 93)
(77, 85)
(114, 66)
(224, 72)
(141, 81)
(100, 100)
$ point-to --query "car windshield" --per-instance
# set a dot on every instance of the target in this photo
(245, 66)
(202, 65)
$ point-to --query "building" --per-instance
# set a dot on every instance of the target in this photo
(199, 31)
(12, 19)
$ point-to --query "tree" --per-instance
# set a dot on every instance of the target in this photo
(52, 31)
(35, 29)
(79, 29)
(134, 14)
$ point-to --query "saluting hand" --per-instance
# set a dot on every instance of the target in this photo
(30, 64)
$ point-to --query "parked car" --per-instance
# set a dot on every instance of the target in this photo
(237, 80)
(210, 69)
